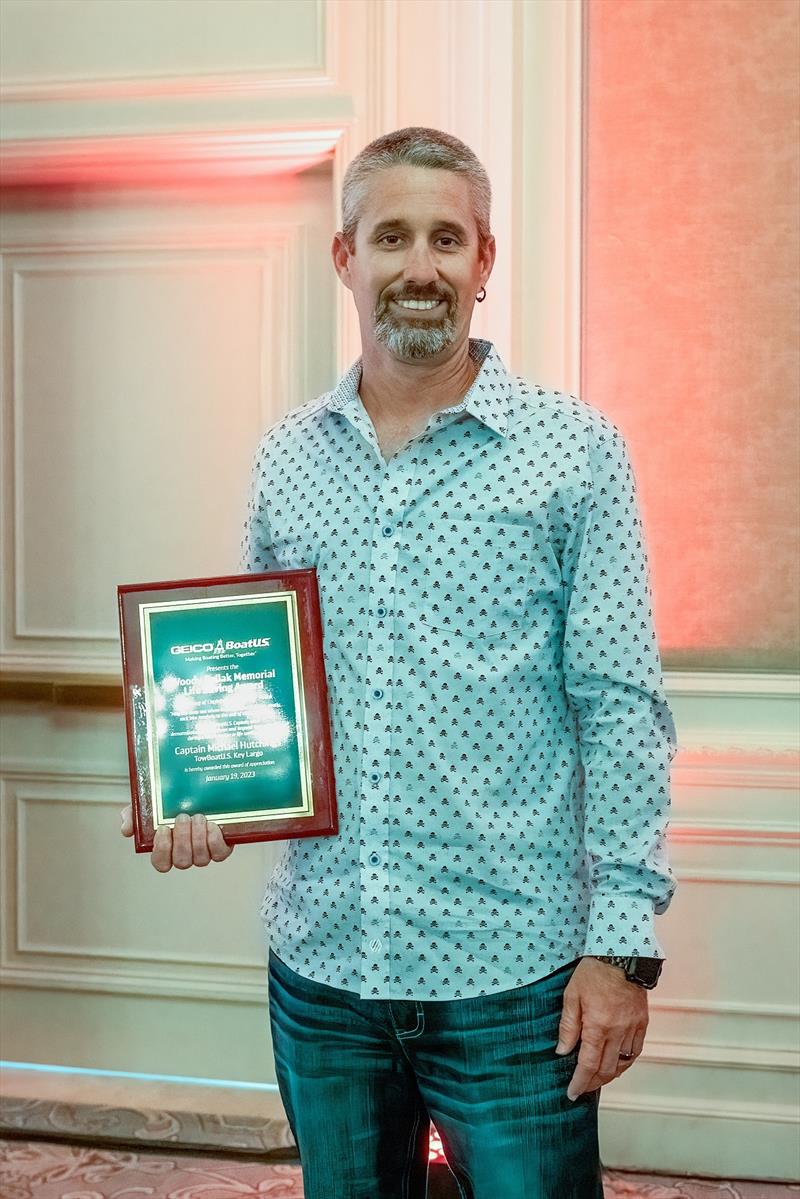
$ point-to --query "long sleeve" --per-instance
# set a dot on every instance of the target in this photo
(257, 553)
(612, 676)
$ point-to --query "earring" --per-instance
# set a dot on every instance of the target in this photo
(480, 298)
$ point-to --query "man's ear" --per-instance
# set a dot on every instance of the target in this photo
(341, 259)
(487, 260)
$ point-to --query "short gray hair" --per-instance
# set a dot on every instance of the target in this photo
(419, 147)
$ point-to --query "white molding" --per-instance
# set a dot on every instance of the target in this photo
(547, 281)
(263, 84)
(726, 1007)
(152, 983)
(754, 878)
(734, 713)
(726, 1057)
(47, 770)
(735, 741)
(737, 684)
(122, 160)
(770, 834)
(761, 1113)
(60, 669)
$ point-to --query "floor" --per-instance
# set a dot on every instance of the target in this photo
(34, 1169)
(108, 1136)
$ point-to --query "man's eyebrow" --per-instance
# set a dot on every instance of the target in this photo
(399, 223)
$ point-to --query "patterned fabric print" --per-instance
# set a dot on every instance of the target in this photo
(41, 1170)
(501, 735)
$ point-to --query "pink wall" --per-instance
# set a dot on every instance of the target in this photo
(690, 325)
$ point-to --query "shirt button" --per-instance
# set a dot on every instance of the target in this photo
(374, 858)
(381, 611)
(375, 944)
(374, 777)
(387, 530)
(377, 693)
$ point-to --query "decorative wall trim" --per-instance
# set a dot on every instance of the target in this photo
(735, 713)
(720, 1110)
(264, 83)
(218, 85)
(727, 1057)
(740, 684)
(770, 834)
(130, 970)
(253, 990)
(545, 159)
(756, 878)
(280, 253)
(150, 159)
(726, 1007)
(52, 770)
(155, 984)
(77, 669)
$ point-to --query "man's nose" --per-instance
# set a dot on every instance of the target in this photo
(420, 267)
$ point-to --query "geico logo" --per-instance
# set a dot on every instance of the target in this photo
(206, 648)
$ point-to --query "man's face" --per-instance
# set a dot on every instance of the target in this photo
(416, 241)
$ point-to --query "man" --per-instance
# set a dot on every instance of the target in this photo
(475, 945)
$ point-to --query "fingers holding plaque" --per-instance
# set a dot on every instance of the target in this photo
(226, 706)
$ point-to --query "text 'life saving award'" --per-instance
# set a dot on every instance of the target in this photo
(226, 706)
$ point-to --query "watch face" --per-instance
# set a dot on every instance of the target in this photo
(647, 969)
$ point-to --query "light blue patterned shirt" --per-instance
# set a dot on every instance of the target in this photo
(501, 736)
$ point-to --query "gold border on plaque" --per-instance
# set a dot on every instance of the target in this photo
(289, 599)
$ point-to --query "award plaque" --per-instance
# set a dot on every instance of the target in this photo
(226, 706)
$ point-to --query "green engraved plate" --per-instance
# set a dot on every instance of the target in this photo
(223, 681)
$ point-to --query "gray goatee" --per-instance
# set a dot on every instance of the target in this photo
(409, 340)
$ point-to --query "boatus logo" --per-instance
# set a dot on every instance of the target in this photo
(220, 646)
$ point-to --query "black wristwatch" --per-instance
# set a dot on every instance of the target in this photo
(642, 971)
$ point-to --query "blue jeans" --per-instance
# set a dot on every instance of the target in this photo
(361, 1080)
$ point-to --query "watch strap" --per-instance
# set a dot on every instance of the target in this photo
(644, 972)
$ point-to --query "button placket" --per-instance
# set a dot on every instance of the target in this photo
(378, 715)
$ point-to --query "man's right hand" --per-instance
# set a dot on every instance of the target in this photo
(195, 841)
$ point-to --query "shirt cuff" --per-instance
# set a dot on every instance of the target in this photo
(623, 925)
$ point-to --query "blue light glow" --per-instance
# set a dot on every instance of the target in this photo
(196, 1082)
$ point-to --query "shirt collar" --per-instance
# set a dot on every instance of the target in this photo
(488, 398)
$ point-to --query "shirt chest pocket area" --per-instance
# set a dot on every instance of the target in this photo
(469, 577)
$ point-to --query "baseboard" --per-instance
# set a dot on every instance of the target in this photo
(145, 1112)
(733, 1142)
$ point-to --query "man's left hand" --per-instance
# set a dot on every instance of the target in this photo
(609, 1015)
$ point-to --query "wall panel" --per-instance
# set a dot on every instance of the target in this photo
(92, 40)
(691, 308)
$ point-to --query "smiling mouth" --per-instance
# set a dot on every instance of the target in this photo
(422, 308)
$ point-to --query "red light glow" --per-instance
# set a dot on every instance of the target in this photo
(436, 1153)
